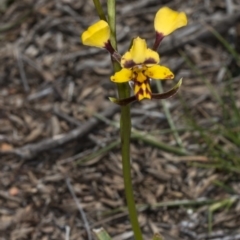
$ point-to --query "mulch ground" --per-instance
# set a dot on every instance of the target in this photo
(51, 87)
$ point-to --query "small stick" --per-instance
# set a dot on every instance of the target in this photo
(22, 72)
(86, 224)
(67, 235)
(67, 118)
(31, 150)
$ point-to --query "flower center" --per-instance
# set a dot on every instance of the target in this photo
(139, 73)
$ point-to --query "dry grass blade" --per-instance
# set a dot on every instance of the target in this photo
(83, 216)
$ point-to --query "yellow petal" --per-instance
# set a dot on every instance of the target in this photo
(159, 72)
(139, 54)
(166, 20)
(138, 50)
(122, 76)
(142, 91)
(152, 57)
(127, 61)
(97, 35)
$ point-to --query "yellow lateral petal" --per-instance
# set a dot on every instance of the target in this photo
(127, 61)
(122, 76)
(152, 57)
(97, 35)
(166, 20)
(159, 72)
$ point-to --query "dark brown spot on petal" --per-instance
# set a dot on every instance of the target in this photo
(150, 61)
(129, 64)
(138, 83)
(140, 91)
(144, 91)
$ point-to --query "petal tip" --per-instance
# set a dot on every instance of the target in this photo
(112, 99)
(178, 85)
(124, 101)
(170, 76)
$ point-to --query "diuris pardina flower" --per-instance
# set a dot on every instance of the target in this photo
(140, 63)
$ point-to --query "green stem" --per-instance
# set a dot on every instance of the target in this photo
(125, 129)
(99, 9)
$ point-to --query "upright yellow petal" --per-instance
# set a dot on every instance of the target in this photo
(139, 54)
(138, 50)
(97, 35)
(166, 21)
(124, 75)
(159, 72)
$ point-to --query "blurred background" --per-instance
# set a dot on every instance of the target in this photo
(59, 135)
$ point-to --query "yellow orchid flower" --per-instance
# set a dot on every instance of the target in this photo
(139, 65)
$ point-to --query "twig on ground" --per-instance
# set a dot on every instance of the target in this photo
(169, 204)
(31, 150)
(146, 138)
(229, 7)
(4, 195)
(218, 235)
(67, 118)
(83, 216)
(67, 235)
(21, 71)
(75, 157)
(20, 20)
(41, 94)
(100, 153)
(109, 219)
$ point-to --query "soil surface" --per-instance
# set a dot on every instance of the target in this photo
(59, 141)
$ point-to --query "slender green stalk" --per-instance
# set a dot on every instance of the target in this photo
(99, 9)
(125, 130)
(169, 117)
